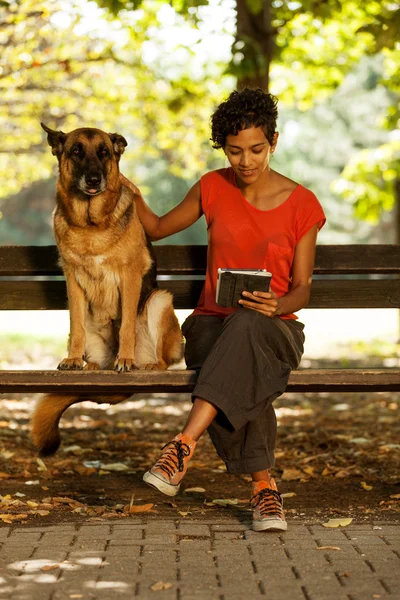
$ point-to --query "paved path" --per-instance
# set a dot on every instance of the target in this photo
(181, 560)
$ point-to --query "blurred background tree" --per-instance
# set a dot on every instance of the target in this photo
(154, 71)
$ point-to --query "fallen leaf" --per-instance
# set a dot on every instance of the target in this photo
(41, 465)
(8, 518)
(310, 471)
(225, 501)
(328, 548)
(75, 449)
(62, 500)
(365, 486)
(118, 466)
(395, 496)
(49, 567)
(184, 514)
(337, 523)
(161, 585)
(6, 454)
(292, 474)
(194, 490)
(288, 495)
(137, 508)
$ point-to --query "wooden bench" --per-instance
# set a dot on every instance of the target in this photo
(30, 279)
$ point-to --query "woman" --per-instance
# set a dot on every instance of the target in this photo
(256, 218)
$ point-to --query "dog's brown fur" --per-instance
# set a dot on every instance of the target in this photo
(118, 317)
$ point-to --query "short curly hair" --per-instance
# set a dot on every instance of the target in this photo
(243, 109)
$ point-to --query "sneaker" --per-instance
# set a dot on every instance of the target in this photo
(267, 507)
(167, 473)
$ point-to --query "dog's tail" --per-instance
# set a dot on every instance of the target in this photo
(47, 414)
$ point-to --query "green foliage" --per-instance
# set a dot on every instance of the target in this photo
(126, 66)
(368, 181)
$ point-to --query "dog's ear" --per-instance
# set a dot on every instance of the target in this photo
(55, 139)
(119, 143)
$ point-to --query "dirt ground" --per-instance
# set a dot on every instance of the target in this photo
(337, 456)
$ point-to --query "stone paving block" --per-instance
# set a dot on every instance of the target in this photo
(4, 532)
(94, 530)
(155, 547)
(224, 527)
(125, 543)
(129, 533)
(232, 585)
(25, 536)
(50, 553)
(58, 540)
(10, 555)
(185, 545)
(88, 545)
(228, 535)
(234, 568)
(158, 528)
(194, 530)
(342, 565)
(133, 523)
(155, 538)
(369, 540)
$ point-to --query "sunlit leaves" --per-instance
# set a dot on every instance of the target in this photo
(368, 181)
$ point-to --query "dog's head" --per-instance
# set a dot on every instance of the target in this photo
(88, 157)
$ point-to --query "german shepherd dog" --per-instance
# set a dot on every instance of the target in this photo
(118, 318)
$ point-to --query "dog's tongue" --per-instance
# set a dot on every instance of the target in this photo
(92, 191)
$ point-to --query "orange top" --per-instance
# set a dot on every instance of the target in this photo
(241, 236)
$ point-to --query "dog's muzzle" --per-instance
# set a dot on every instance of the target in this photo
(92, 185)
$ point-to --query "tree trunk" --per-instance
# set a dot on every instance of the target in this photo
(255, 39)
(397, 228)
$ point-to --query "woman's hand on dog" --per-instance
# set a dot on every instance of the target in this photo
(266, 303)
(129, 184)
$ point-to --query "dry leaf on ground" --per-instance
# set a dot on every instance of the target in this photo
(328, 548)
(365, 486)
(225, 501)
(118, 466)
(337, 523)
(161, 585)
(49, 567)
(292, 474)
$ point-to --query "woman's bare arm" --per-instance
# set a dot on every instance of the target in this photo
(184, 214)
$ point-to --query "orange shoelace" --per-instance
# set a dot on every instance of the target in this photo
(269, 502)
(173, 457)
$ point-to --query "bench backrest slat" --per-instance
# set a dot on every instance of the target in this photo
(191, 260)
(39, 295)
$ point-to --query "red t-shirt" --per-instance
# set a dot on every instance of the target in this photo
(243, 237)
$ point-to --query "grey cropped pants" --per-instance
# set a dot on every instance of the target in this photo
(244, 362)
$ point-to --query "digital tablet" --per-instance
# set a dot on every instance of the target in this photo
(232, 282)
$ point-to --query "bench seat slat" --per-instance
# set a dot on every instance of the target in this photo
(360, 293)
(174, 380)
(191, 260)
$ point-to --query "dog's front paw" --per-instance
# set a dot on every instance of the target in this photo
(124, 365)
(91, 366)
(151, 367)
(71, 364)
